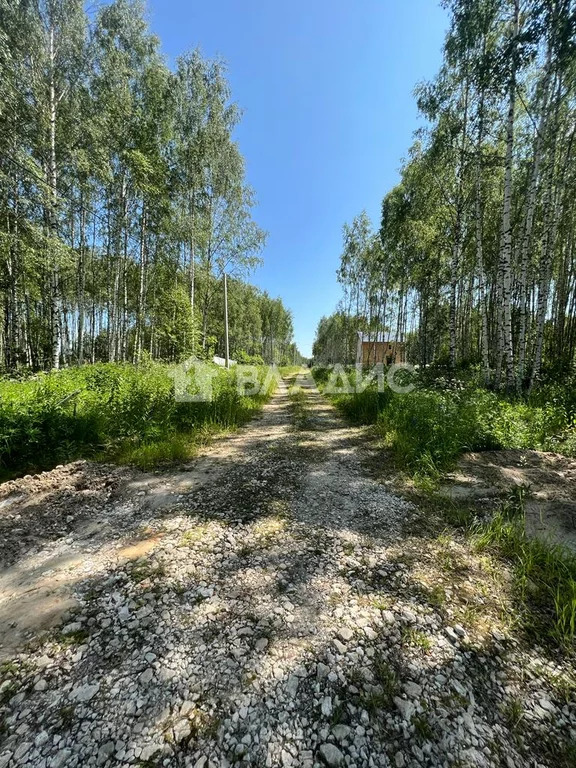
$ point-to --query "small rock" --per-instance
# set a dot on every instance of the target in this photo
(345, 634)
(61, 759)
(104, 752)
(413, 690)
(451, 634)
(186, 708)
(405, 707)
(326, 706)
(331, 754)
(341, 732)
(292, 685)
(459, 688)
(340, 647)
(149, 751)
(182, 730)
(22, 750)
(71, 628)
(322, 670)
(41, 739)
(370, 633)
(146, 676)
(85, 692)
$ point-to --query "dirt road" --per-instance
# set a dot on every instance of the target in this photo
(264, 606)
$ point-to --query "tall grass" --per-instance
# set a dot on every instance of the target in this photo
(289, 371)
(118, 411)
(544, 573)
(428, 428)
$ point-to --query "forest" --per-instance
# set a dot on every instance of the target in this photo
(473, 264)
(123, 198)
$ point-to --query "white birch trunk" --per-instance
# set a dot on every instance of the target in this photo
(506, 340)
(529, 225)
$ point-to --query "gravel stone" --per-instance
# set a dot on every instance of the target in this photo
(331, 754)
(85, 692)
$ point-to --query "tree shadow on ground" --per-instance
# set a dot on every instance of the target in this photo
(227, 639)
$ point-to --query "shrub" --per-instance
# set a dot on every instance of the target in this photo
(431, 426)
(78, 412)
(321, 375)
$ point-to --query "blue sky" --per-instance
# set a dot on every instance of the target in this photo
(326, 90)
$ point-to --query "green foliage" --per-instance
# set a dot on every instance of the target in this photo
(300, 415)
(544, 574)
(124, 411)
(289, 371)
(416, 638)
(245, 359)
(321, 375)
(387, 677)
(428, 428)
(364, 407)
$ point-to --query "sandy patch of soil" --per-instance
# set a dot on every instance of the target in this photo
(549, 478)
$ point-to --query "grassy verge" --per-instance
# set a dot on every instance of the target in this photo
(300, 415)
(427, 429)
(543, 575)
(120, 412)
(290, 371)
(174, 448)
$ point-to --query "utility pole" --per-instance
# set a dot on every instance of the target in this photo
(226, 321)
